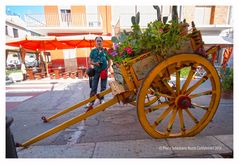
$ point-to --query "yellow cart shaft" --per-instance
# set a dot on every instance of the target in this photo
(76, 119)
(76, 106)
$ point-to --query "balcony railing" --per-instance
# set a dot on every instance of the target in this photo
(63, 20)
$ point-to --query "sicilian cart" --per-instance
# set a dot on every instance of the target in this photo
(168, 104)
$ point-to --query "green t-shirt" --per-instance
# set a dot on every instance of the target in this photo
(97, 55)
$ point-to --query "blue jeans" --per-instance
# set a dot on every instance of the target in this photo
(95, 82)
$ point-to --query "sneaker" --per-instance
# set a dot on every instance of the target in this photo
(97, 102)
(102, 101)
(89, 104)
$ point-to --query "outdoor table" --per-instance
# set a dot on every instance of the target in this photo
(81, 72)
(30, 74)
(58, 71)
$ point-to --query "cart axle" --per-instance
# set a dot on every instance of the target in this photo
(184, 102)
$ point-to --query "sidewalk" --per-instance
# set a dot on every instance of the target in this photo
(191, 147)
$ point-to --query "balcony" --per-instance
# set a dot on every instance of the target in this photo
(64, 23)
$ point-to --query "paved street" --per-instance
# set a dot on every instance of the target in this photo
(20, 92)
(118, 125)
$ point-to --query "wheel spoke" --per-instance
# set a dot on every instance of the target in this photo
(150, 102)
(200, 106)
(168, 86)
(189, 78)
(182, 126)
(191, 115)
(163, 95)
(162, 116)
(151, 91)
(154, 108)
(171, 121)
(199, 82)
(148, 97)
(201, 94)
(178, 82)
(151, 97)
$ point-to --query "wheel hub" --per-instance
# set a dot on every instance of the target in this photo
(184, 102)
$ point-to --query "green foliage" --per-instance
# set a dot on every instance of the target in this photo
(184, 72)
(135, 19)
(175, 13)
(227, 80)
(115, 40)
(13, 70)
(158, 38)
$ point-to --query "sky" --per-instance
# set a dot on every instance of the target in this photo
(21, 10)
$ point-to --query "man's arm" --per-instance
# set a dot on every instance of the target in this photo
(94, 63)
(91, 60)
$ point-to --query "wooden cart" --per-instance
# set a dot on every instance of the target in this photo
(169, 102)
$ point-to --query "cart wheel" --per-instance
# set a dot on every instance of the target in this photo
(187, 102)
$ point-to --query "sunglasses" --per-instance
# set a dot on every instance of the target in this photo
(98, 41)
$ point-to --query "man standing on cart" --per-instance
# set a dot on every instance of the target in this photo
(101, 63)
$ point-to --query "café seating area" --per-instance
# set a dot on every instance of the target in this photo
(61, 73)
(56, 73)
(35, 74)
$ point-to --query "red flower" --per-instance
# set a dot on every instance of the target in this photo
(129, 50)
(110, 50)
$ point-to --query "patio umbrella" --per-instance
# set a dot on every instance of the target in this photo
(84, 41)
(38, 43)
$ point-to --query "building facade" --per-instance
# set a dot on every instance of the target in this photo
(15, 27)
(67, 21)
(208, 18)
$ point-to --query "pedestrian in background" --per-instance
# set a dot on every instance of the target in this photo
(101, 63)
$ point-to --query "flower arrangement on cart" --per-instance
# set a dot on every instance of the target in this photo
(158, 38)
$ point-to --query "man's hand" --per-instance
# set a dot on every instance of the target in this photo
(97, 64)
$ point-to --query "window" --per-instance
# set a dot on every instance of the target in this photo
(6, 30)
(66, 15)
(202, 15)
(15, 33)
(93, 19)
